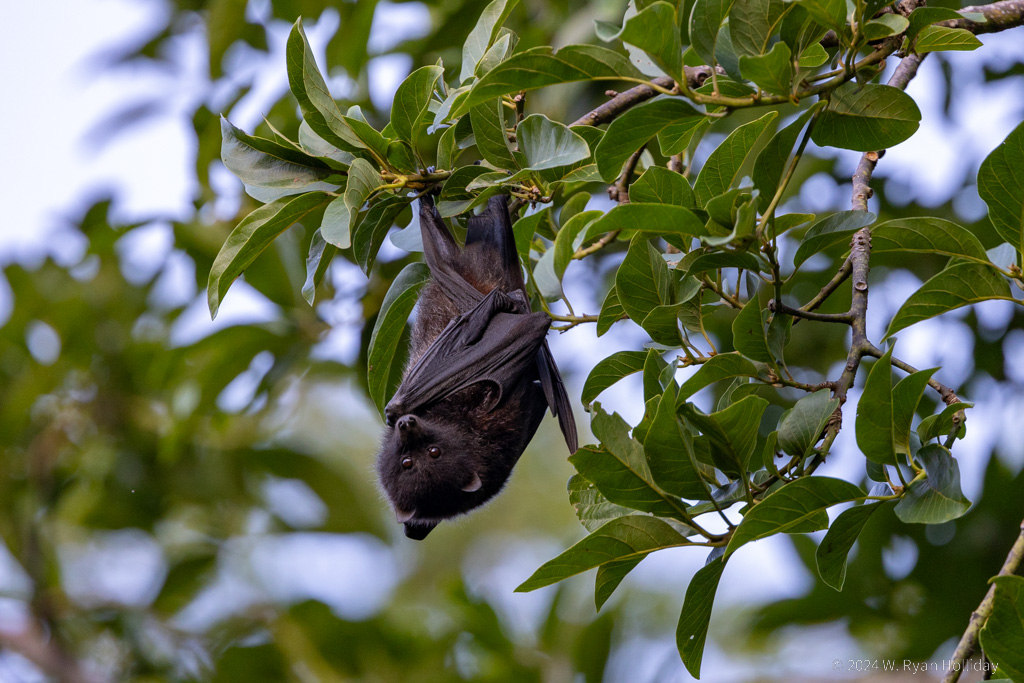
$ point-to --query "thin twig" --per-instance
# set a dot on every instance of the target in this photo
(965, 648)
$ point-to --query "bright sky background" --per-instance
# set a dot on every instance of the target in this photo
(53, 163)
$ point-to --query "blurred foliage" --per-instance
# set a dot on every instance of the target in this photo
(112, 424)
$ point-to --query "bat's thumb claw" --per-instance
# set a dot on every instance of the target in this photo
(404, 516)
(474, 485)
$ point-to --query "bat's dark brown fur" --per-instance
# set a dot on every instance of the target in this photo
(479, 378)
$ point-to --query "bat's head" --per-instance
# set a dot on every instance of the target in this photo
(432, 469)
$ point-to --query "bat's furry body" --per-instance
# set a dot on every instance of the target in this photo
(479, 378)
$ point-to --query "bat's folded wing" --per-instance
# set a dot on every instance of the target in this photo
(488, 344)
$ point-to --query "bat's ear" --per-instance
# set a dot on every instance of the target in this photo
(418, 531)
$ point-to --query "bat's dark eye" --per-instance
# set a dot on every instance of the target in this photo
(406, 463)
(434, 452)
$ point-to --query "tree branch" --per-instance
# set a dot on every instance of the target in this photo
(1000, 16)
(695, 77)
(965, 648)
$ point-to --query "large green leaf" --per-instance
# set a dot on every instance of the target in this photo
(1001, 185)
(705, 20)
(620, 472)
(655, 30)
(625, 538)
(1002, 638)
(715, 369)
(748, 336)
(592, 508)
(411, 100)
(252, 235)
(724, 164)
(319, 109)
(941, 38)
(829, 13)
(483, 35)
(541, 66)
(268, 164)
(374, 228)
(772, 72)
(803, 424)
(752, 24)
(628, 132)
(905, 397)
(489, 132)
(660, 185)
(341, 213)
(669, 450)
(549, 144)
(835, 547)
(732, 432)
(875, 432)
(652, 219)
(642, 280)
(610, 370)
(866, 118)
(960, 284)
(924, 16)
(927, 235)
(611, 311)
(833, 229)
(942, 424)
(387, 331)
(937, 498)
(692, 629)
(796, 507)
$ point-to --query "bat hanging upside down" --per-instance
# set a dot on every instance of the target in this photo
(480, 376)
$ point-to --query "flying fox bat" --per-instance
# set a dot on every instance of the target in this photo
(479, 378)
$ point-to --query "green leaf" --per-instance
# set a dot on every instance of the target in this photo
(752, 23)
(656, 219)
(675, 138)
(812, 57)
(411, 100)
(548, 144)
(772, 72)
(630, 131)
(669, 450)
(542, 66)
(655, 30)
(943, 38)
(804, 423)
(319, 109)
(875, 432)
(829, 13)
(659, 185)
(717, 368)
(611, 311)
(374, 228)
(620, 472)
(341, 213)
(387, 330)
(748, 335)
(566, 240)
(835, 547)
(927, 235)
(491, 139)
(642, 280)
(609, 371)
(592, 508)
(609, 576)
(958, 285)
(268, 164)
(692, 629)
(885, 26)
(703, 261)
(1002, 638)
(1001, 185)
(732, 432)
(867, 118)
(905, 397)
(705, 21)
(796, 507)
(320, 255)
(942, 424)
(369, 138)
(622, 539)
(937, 498)
(771, 162)
(724, 164)
(252, 235)
(923, 16)
(825, 232)
(455, 198)
(483, 35)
